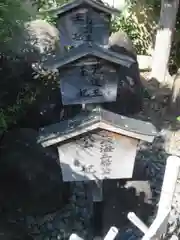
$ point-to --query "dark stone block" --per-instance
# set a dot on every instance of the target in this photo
(130, 89)
(30, 176)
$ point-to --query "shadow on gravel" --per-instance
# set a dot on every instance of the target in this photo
(139, 194)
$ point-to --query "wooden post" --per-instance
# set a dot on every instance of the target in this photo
(162, 48)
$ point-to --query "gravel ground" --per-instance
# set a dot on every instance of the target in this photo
(168, 143)
(77, 216)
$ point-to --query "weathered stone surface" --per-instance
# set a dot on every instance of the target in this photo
(9, 231)
(130, 89)
(38, 40)
(76, 217)
(30, 176)
(28, 94)
(45, 110)
(121, 43)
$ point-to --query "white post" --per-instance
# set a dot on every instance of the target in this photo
(137, 222)
(112, 233)
(159, 225)
(157, 228)
(169, 184)
(163, 39)
(75, 237)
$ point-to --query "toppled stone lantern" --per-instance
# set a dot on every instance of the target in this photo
(96, 144)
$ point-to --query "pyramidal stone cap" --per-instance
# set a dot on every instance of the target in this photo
(98, 5)
(89, 49)
(98, 118)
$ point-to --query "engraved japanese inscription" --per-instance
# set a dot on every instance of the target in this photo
(89, 81)
(97, 155)
(106, 148)
(83, 25)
